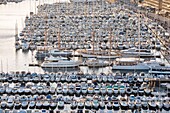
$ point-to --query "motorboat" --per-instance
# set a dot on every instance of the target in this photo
(103, 90)
(110, 78)
(147, 91)
(78, 90)
(109, 90)
(60, 104)
(131, 102)
(90, 90)
(144, 103)
(32, 105)
(135, 90)
(80, 104)
(102, 104)
(109, 106)
(32, 46)
(59, 62)
(17, 105)
(2, 89)
(59, 88)
(65, 89)
(123, 104)
(52, 90)
(73, 105)
(141, 91)
(3, 104)
(130, 64)
(95, 104)
(25, 46)
(115, 89)
(97, 90)
(46, 105)
(116, 105)
(17, 46)
(38, 105)
(138, 103)
(166, 105)
(84, 90)
(159, 104)
(152, 104)
(104, 78)
(71, 90)
(122, 89)
(24, 104)
(10, 103)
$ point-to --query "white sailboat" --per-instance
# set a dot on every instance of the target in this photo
(25, 46)
(17, 44)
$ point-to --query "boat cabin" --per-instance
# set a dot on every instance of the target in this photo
(128, 61)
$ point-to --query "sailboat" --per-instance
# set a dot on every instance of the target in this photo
(109, 54)
(96, 52)
(17, 44)
(58, 52)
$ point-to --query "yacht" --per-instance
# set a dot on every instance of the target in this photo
(93, 62)
(17, 46)
(59, 62)
(32, 46)
(130, 64)
(25, 46)
(56, 52)
(143, 53)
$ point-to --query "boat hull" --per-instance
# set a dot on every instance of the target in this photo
(130, 68)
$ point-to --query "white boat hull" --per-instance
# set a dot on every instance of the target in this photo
(59, 65)
(134, 67)
(107, 57)
(88, 55)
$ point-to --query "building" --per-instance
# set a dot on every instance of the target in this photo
(160, 5)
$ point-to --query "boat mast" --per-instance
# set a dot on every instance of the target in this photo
(1, 66)
(110, 40)
(35, 7)
(46, 32)
(93, 34)
(93, 40)
(59, 38)
(139, 32)
(7, 65)
(16, 31)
